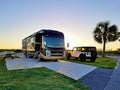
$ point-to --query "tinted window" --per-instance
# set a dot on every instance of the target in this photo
(88, 49)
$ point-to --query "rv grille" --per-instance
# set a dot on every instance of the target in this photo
(56, 53)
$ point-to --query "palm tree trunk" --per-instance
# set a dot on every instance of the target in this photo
(104, 43)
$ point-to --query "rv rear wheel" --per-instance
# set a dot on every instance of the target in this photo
(41, 59)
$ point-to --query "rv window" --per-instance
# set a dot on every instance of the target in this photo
(54, 35)
(38, 38)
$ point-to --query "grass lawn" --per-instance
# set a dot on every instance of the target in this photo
(45, 79)
(100, 62)
(36, 79)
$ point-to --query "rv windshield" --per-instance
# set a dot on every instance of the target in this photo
(54, 41)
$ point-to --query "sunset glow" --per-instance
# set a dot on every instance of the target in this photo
(75, 18)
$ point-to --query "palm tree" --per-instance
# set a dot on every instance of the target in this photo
(119, 35)
(104, 33)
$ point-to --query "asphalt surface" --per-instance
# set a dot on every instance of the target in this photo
(104, 79)
(114, 83)
(98, 79)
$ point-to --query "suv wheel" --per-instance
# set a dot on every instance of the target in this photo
(82, 57)
(93, 56)
(92, 59)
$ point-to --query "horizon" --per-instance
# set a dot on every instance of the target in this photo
(75, 18)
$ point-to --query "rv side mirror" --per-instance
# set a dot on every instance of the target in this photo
(67, 45)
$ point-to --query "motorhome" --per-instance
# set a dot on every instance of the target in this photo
(44, 44)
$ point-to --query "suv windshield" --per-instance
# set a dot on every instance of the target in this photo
(86, 49)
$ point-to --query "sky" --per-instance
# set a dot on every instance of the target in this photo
(75, 18)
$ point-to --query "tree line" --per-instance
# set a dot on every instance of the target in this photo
(15, 50)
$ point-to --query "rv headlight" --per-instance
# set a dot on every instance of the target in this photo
(48, 53)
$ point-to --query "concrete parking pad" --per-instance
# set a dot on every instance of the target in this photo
(70, 69)
(22, 63)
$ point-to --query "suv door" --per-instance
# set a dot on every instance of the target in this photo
(74, 52)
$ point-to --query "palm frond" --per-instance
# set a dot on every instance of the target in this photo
(113, 29)
(98, 39)
(113, 33)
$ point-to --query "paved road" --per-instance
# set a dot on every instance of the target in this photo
(98, 79)
(114, 83)
(104, 79)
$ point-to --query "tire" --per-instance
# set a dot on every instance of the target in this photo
(82, 57)
(92, 59)
(4, 58)
(41, 59)
(68, 55)
(36, 56)
(93, 56)
(12, 57)
(30, 56)
(55, 60)
(76, 58)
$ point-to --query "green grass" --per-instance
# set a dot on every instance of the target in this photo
(45, 79)
(36, 79)
(101, 62)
